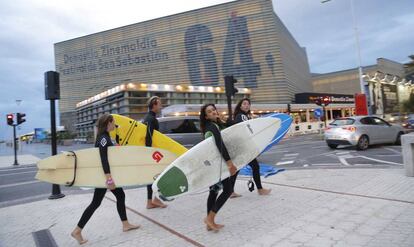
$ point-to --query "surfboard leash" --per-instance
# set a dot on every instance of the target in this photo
(69, 184)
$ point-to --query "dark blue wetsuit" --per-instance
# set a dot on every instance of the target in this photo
(103, 142)
(213, 203)
(241, 117)
(152, 124)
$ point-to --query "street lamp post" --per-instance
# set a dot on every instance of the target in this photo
(360, 73)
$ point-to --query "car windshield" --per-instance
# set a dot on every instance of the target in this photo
(342, 121)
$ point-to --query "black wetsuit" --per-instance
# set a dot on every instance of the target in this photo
(254, 164)
(103, 142)
(152, 124)
(213, 203)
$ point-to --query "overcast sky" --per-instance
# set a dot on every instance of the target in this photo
(29, 28)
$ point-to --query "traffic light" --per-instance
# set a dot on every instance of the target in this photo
(326, 100)
(323, 101)
(20, 118)
(229, 81)
(10, 120)
(289, 108)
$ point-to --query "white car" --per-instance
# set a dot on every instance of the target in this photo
(362, 131)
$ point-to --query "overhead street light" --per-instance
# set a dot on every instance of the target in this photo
(363, 87)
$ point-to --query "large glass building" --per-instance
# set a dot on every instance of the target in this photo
(130, 99)
(243, 38)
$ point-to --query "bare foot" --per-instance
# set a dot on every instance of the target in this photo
(159, 203)
(210, 225)
(76, 234)
(235, 195)
(219, 226)
(151, 205)
(264, 192)
(129, 227)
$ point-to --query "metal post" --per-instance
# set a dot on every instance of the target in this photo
(15, 145)
(230, 118)
(364, 89)
(56, 194)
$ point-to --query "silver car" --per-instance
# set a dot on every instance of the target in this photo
(183, 129)
(362, 131)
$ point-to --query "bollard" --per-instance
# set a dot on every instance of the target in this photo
(407, 143)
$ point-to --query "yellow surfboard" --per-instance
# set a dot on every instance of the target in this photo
(132, 132)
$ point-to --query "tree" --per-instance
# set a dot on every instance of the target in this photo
(410, 65)
(408, 105)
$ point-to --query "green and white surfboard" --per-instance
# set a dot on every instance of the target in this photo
(203, 166)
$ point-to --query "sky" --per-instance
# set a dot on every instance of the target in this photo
(29, 28)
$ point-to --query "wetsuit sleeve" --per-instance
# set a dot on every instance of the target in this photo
(150, 131)
(238, 119)
(103, 153)
(219, 141)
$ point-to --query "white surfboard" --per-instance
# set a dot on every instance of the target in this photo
(203, 166)
(130, 165)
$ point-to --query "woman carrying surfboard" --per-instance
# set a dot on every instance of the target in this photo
(105, 124)
(241, 114)
(211, 125)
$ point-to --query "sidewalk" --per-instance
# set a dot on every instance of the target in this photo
(328, 207)
(23, 159)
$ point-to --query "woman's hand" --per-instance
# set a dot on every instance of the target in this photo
(232, 168)
(110, 184)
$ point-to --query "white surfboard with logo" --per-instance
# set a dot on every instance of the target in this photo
(203, 165)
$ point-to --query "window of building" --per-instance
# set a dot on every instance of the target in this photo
(138, 94)
(138, 101)
(210, 96)
(136, 109)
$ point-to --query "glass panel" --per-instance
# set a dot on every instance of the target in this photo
(343, 121)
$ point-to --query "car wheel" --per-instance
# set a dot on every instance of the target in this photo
(363, 143)
(333, 146)
(398, 140)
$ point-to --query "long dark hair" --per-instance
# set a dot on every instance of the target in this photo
(103, 122)
(238, 109)
(204, 120)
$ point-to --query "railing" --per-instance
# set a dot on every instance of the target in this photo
(305, 128)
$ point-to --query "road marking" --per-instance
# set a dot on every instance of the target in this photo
(363, 164)
(17, 184)
(392, 150)
(327, 164)
(381, 161)
(342, 153)
(343, 161)
(388, 155)
(295, 154)
(322, 146)
(285, 163)
(16, 173)
(18, 168)
(85, 188)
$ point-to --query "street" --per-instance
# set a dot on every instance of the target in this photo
(310, 151)
(18, 185)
